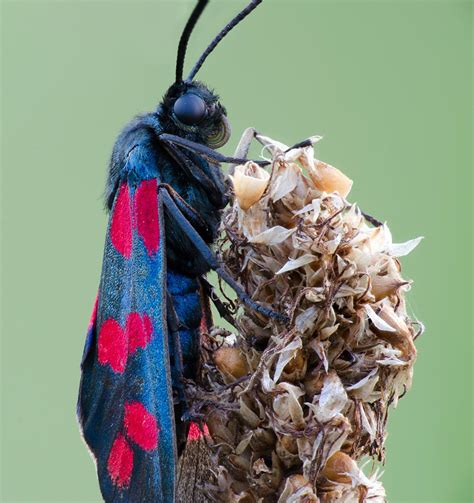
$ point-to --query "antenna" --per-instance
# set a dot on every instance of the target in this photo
(183, 42)
(239, 17)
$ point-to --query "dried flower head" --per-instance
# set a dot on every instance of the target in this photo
(291, 409)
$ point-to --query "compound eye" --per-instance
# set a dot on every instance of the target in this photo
(190, 109)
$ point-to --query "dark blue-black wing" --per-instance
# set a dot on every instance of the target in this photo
(125, 403)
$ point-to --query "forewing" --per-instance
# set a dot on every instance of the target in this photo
(125, 402)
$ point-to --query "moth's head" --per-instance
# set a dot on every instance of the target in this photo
(192, 110)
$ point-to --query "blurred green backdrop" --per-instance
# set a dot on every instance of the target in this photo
(388, 83)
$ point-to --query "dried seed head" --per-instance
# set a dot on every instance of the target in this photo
(288, 458)
(327, 178)
(231, 363)
(262, 439)
(384, 286)
(313, 383)
(337, 468)
(297, 489)
(267, 475)
(287, 450)
(288, 443)
(249, 181)
(239, 465)
(320, 387)
(295, 369)
(396, 332)
(221, 429)
(385, 277)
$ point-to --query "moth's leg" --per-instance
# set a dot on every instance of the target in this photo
(220, 306)
(243, 147)
(189, 212)
(173, 327)
(212, 261)
(249, 134)
(205, 151)
(215, 188)
(309, 142)
(181, 407)
(372, 220)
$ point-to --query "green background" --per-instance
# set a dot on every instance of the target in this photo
(388, 84)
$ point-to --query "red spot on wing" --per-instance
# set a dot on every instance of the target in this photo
(120, 462)
(121, 225)
(141, 426)
(148, 225)
(147, 325)
(112, 345)
(139, 329)
(195, 432)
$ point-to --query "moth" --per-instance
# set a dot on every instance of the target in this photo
(165, 193)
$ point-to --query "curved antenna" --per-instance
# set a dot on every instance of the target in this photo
(239, 17)
(183, 41)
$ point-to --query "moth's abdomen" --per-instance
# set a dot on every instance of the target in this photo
(186, 299)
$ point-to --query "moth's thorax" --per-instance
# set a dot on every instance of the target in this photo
(139, 141)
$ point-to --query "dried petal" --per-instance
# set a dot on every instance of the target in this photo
(249, 181)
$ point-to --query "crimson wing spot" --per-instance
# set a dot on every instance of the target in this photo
(112, 345)
(139, 329)
(146, 208)
(195, 432)
(120, 462)
(115, 344)
(145, 202)
(121, 225)
(141, 426)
